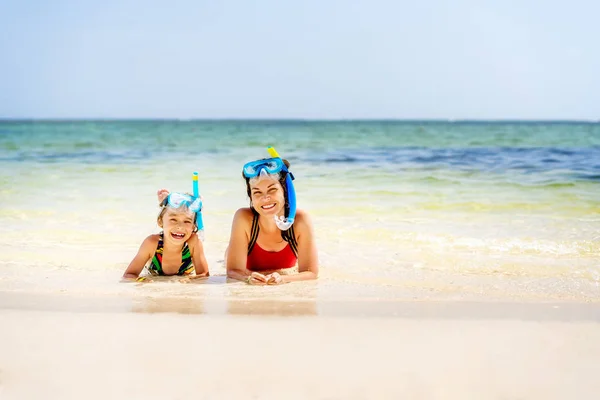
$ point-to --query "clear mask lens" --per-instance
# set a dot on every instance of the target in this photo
(177, 200)
(271, 166)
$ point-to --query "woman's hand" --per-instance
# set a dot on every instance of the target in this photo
(274, 279)
(256, 278)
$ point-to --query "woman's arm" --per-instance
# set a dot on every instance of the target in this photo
(198, 257)
(237, 252)
(144, 254)
(308, 258)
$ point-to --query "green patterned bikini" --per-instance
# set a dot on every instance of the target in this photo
(155, 266)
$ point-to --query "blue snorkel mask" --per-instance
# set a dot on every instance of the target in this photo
(177, 200)
(193, 203)
(271, 166)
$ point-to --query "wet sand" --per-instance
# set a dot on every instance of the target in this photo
(73, 347)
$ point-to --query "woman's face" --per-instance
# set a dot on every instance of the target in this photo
(267, 196)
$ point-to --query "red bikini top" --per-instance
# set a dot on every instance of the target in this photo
(260, 259)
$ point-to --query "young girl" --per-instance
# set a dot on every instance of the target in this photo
(176, 250)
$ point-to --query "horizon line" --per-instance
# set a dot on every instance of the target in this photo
(262, 119)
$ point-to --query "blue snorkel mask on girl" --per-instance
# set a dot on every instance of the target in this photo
(271, 166)
(177, 200)
(193, 203)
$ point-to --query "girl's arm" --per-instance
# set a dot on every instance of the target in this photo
(198, 257)
(144, 254)
(237, 251)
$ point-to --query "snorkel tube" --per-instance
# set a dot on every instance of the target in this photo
(196, 192)
(282, 222)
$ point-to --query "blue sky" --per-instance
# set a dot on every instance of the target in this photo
(464, 59)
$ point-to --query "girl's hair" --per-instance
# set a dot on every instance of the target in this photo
(163, 209)
(282, 176)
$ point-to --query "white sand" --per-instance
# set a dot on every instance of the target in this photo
(156, 355)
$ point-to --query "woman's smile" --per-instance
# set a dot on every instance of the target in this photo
(268, 206)
(267, 196)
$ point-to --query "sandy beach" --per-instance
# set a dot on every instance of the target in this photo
(73, 347)
(457, 261)
(445, 160)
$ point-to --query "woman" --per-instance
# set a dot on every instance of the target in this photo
(271, 234)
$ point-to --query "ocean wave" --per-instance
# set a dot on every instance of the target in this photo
(560, 152)
(590, 177)
(557, 165)
(77, 156)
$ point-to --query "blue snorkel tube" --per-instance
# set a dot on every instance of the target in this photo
(196, 192)
(284, 223)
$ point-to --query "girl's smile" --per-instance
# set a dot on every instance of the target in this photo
(178, 225)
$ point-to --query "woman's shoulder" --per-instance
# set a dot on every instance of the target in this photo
(243, 216)
(302, 221)
(302, 215)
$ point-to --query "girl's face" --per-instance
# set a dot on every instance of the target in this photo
(267, 196)
(178, 225)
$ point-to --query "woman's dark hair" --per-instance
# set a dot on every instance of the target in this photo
(282, 176)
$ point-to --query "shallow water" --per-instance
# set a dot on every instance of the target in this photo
(402, 210)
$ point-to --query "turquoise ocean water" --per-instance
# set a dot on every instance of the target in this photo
(401, 209)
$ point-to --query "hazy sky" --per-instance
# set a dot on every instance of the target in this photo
(317, 59)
